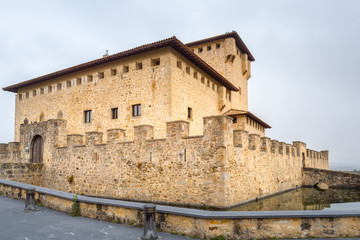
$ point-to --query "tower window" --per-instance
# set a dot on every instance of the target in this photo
(178, 64)
(136, 110)
(139, 65)
(218, 45)
(190, 113)
(125, 69)
(114, 113)
(209, 48)
(113, 71)
(88, 116)
(101, 75)
(155, 62)
(200, 50)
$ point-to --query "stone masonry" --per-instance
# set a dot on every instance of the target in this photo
(220, 168)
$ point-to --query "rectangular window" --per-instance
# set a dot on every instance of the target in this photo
(202, 79)
(88, 116)
(101, 75)
(190, 113)
(89, 78)
(49, 89)
(179, 64)
(114, 113)
(139, 65)
(41, 90)
(113, 72)
(34, 93)
(200, 50)
(59, 86)
(188, 70)
(125, 69)
(209, 48)
(234, 120)
(27, 94)
(68, 84)
(195, 75)
(155, 62)
(136, 110)
(218, 45)
(208, 83)
(20, 97)
(78, 81)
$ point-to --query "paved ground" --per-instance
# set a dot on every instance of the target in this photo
(50, 224)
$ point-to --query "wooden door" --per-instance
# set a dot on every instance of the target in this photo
(37, 150)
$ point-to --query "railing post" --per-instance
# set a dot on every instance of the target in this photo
(149, 222)
(30, 200)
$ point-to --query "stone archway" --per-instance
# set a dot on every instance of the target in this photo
(37, 149)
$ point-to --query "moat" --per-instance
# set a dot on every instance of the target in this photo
(306, 199)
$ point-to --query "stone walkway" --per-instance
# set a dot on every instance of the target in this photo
(50, 224)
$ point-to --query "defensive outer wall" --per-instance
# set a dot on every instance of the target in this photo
(220, 168)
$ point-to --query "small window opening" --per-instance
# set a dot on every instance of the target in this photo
(114, 113)
(34, 93)
(230, 96)
(89, 78)
(125, 69)
(155, 62)
(195, 75)
(59, 86)
(209, 48)
(27, 94)
(139, 65)
(208, 83)
(113, 71)
(213, 86)
(101, 75)
(218, 45)
(179, 64)
(234, 120)
(49, 89)
(20, 97)
(188, 70)
(136, 110)
(78, 81)
(88, 116)
(202, 79)
(190, 113)
(41, 90)
(68, 84)
(200, 50)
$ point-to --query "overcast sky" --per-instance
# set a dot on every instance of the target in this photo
(305, 80)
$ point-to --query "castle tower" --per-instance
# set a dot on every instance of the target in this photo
(228, 55)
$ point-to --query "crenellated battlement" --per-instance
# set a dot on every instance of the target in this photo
(220, 168)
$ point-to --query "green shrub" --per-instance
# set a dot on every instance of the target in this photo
(75, 208)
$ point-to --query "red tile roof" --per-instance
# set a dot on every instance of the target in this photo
(239, 43)
(172, 42)
(235, 112)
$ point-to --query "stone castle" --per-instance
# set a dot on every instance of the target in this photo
(165, 122)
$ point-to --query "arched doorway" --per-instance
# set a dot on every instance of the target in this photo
(37, 148)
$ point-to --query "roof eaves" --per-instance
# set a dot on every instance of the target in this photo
(239, 42)
(173, 42)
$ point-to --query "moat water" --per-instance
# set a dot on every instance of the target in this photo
(307, 199)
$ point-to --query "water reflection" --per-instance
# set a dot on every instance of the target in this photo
(307, 199)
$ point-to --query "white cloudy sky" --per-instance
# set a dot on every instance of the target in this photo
(305, 79)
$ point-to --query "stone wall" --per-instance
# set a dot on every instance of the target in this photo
(220, 168)
(333, 179)
(203, 224)
(30, 173)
